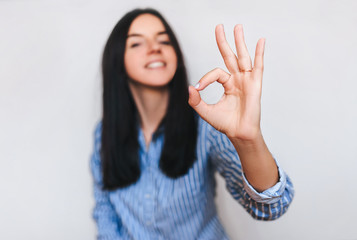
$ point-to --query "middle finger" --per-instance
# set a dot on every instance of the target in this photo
(244, 61)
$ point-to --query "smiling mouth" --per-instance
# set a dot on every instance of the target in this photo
(154, 65)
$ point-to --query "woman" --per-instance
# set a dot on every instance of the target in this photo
(155, 157)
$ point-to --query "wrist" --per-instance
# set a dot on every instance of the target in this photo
(251, 140)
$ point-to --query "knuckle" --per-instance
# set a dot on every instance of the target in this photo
(218, 70)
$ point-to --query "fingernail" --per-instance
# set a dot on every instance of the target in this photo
(197, 85)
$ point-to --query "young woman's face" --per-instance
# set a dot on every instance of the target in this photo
(149, 57)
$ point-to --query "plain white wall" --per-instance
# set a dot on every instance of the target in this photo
(50, 100)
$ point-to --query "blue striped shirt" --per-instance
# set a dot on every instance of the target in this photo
(158, 207)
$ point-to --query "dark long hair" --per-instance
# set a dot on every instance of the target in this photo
(119, 146)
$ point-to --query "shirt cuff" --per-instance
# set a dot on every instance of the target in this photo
(270, 195)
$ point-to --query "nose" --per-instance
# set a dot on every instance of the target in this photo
(154, 47)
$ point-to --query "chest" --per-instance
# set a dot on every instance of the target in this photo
(155, 196)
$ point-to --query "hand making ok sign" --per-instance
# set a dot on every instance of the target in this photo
(237, 114)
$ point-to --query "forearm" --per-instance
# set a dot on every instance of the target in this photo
(258, 164)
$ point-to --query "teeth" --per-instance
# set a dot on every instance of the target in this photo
(156, 65)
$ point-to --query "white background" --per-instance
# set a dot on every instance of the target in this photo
(50, 100)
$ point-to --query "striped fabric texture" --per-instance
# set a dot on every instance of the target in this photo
(158, 207)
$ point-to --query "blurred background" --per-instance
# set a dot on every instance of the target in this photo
(50, 101)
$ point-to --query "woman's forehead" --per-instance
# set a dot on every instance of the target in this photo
(146, 24)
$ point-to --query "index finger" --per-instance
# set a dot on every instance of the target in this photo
(230, 59)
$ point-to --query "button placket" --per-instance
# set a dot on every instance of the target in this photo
(149, 194)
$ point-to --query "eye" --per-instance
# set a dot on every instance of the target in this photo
(134, 45)
(165, 42)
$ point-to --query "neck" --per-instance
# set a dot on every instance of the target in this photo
(152, 105)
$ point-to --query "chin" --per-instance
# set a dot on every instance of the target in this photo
(159, 85)
(154, 83)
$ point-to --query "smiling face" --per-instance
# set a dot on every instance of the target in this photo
(149, 57)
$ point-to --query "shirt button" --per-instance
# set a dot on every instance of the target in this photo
(148, 222)
(147, 195)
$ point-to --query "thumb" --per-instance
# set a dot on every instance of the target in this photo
(197, 103)
(194, 97)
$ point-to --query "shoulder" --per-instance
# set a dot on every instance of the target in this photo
(97, 135)
(203, 126)
(213, 138)
(98, 130)
(95, 161)
(207, 131)
(207, 135)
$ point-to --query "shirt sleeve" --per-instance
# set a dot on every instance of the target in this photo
(267, 205)
(108, 222)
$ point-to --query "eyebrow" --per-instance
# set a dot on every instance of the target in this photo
(140, 35)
